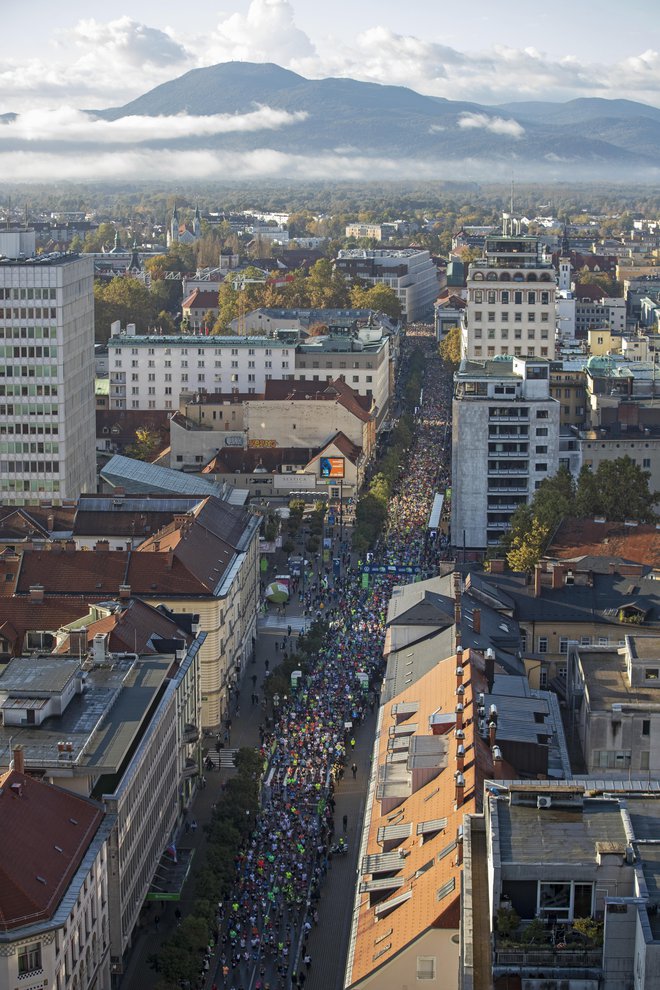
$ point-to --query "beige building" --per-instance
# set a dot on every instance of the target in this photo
(511, 301)
(285, 417)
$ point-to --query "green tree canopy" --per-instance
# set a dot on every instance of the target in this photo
(450, 347)
(380, 297)
(124, 299)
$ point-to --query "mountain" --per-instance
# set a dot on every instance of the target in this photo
(287, 125)
(595, 136)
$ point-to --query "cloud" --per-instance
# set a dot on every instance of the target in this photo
(266, 33)
(67, 125)
(140, 164)
(129, 42)
(497, 125)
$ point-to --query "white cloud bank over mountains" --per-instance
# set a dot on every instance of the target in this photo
(67, 125)
(99, 64)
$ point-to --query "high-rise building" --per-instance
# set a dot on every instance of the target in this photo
(511, 306)
(47, 414)
(505, 442)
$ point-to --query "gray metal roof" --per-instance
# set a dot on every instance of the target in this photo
(383, 862)
(138, 477)
(394, 833)
(531, 835)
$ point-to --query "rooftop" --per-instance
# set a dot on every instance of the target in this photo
(575, 538)
(37, 864)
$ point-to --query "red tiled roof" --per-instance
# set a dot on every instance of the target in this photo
(336, 391)
(19, 616)
(200, 299)
(46, 832)
(586, 538)
(131, 628)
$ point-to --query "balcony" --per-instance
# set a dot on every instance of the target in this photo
(508, 453)
(190, 733)
(190, 768)
(500, 472)
(554, 957)
(509, 490)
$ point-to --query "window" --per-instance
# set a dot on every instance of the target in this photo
(646, 462)
(563, 644)
(425, 967)
(542, 431)
(29, 958)
(565, 901)
(543, 644)
(644, 758)
(651, 673)
(646, 727)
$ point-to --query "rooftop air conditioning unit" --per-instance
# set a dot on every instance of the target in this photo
(543, 802)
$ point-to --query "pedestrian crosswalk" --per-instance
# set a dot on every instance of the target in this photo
(222, 759)
(278, 625)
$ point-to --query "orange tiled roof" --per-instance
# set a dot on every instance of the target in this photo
(419, 884)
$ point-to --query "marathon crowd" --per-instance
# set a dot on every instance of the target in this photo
(262, 927)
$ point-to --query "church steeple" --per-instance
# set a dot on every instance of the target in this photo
(565, 246)
(197, 222)
(173, 236)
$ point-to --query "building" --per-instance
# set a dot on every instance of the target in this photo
(613, 699)
(47, 406)
(505, 443)
(410, 272)
(151, 372)
(268, 320)
(372, 230)
(511, 302)
(204, 562)
(363, 360)
(286, 415)
(195, 308)
(448, 313)
(594, 310)
(560, 886)
(55, 924)
(429, 764)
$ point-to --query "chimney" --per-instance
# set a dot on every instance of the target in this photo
(50, 522)
(476, 621)
(124, 592)
(129, 544)
(102, 545)
(557, 577)
(489, 658)
(36, 593)
(459, 676)
(497, 565)
(19, 759)
(170, 560)
(537, 580)
(492, 732)
(460, 757)
(156, 546)
(70, 546)
(460, 788)
(497, 762)
(459, 714)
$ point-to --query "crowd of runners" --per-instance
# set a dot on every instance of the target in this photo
(262, 927)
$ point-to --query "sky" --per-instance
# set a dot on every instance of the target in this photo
(59, 58)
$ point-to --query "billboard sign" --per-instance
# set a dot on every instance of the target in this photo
(332, 467)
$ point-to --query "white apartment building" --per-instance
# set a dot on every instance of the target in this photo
(47, 407)
(511, 306)
(409, 271)
(151, 372)
(505, 443)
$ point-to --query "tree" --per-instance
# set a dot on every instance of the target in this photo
(450, 347)
(147, 441)
(326, 288)
(124, 299)
(623, 491)
(554, 499)
(381, 298)
(527, 548)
